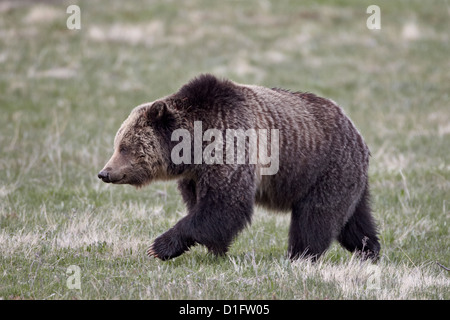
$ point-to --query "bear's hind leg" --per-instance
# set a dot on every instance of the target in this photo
(311, 231)
(359, 233)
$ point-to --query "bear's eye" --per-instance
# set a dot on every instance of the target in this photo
(123, 150)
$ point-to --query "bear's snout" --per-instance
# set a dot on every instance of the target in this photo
(111, 176)
(104, 176)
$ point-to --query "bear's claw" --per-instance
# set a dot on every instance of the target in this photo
(151, 252)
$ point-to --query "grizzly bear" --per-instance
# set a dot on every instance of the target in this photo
(319, 160)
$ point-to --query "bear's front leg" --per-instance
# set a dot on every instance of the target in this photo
(170, 244)
(188, 192)
(224, 207)
(173, 243)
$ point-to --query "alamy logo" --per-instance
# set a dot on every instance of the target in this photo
(374, 20)
(74, 279)
(374, 278)
(235, 147)
(73, 22)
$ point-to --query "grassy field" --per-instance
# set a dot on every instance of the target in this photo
(64, 94)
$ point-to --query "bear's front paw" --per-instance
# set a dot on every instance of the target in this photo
(167, 246)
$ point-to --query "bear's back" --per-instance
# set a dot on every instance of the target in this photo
(314, 135)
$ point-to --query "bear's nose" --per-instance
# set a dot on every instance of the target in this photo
(104, 175)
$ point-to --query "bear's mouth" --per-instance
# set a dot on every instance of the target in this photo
(120, 180)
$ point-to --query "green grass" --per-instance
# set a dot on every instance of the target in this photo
(64, 93)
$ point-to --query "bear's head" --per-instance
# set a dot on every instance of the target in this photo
(140, 154)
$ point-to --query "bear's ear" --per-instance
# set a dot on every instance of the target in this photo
(157, 112)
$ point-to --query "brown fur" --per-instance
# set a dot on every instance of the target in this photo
(322, 177)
